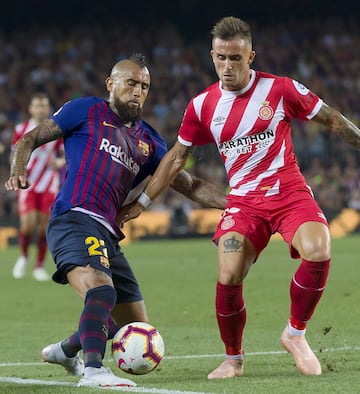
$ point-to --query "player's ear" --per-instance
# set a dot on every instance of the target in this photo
(251, 57)
(109, 83)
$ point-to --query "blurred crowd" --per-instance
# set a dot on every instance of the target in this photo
(66, 64)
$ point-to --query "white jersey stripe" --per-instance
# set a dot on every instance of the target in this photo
(221, 113)
(259, 155)
(184, 142)
(252, 185)
(198, 102)
(259, 95)
(247, 122)
(316, 109)
(44, 182)
(274, 190)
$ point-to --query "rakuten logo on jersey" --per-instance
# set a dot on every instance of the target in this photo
(118, 155)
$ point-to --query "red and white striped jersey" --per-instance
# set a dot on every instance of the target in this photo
(251, 129)
(43, 175)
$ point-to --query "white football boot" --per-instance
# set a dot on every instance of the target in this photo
(103, 377)
(54, 354)
(19, 269)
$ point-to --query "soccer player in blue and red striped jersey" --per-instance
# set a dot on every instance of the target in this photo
(110, 152)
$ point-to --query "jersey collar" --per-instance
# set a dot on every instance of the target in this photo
(241, 91)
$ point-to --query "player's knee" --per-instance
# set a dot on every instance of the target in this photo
(233, 274)
(316, 252)
(314, 248)
(227, 277)
(84, 278)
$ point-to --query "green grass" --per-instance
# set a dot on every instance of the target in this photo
(178, 282)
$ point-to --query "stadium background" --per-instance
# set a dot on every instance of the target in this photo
(67, 48)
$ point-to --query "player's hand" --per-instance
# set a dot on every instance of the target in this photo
(122, 213)
(129, 212)
(17, 182)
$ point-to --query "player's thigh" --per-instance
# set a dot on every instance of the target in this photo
(128, 312)
(45, 201)
(43, 220)
(236, 254)
(84, 278)
(28, 222)
(27, 201)
(312, 241)
(304, 227)
(80, 247)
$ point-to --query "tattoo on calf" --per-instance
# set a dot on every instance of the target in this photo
(232, 245)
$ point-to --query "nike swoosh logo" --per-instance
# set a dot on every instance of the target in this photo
(109, 125)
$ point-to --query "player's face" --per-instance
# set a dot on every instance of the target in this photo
(232, 60)
(39, 109)
(128, 90)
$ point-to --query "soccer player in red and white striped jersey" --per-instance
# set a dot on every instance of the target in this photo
(34, 203)
(247, 115)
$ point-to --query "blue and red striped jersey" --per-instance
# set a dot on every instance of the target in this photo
(104, 158)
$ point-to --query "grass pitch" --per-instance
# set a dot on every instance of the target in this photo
(178, 279)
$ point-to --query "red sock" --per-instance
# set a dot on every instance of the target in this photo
(24, 242)
(231, 316)
(42, 248)
(306, 289)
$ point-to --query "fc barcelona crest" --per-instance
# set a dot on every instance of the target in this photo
(144, 148)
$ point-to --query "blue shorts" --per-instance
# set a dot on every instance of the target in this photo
(75, 239)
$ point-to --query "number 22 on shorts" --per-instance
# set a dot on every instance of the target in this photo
(97, 248)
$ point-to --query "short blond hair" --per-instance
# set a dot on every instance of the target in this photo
(230, 27)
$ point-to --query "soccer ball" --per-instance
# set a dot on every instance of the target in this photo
(138, 348)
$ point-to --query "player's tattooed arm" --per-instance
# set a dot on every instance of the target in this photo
(40, 135)
(198, 190)
(340, 125)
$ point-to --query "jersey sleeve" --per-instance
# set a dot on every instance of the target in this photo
(192, 131)
(299, 101)
(71, 115)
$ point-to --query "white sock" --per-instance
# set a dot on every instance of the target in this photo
(295, 332)
(234, 357)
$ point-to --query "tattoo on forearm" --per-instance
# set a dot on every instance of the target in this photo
(47, 132)
(350, 133)
(188, 151)
(40, 135)
(209, 196)
(232, 245)
(340, 125)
